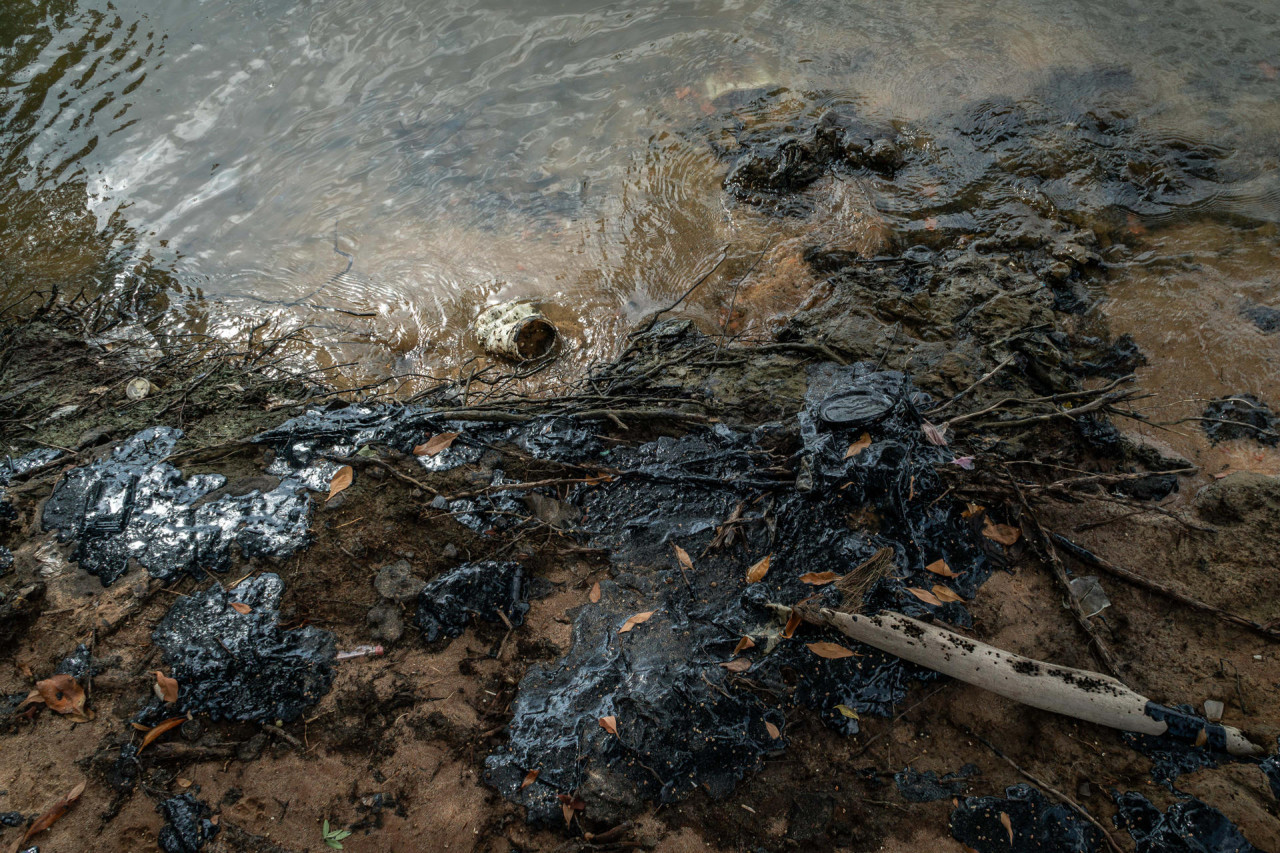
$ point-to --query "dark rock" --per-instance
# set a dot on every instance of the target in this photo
(385, 622)
(397, 582)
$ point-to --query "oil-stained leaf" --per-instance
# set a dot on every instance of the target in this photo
(636, 620)
(63, 694)
(530, 778)
(52, 814)
(924, 595)
(240, 607)
(594, 595)
(737, 665)
(863, 442)
(940, 567)
(846, 711)
(341, 480)
(166, 687)
(609, 724)
(830, 651)
(1008, 826)
(820, 578)
(682, 556)
(946, 593)
(743, 644)
(936, 435)
(756, 573)
(159, 729)
(1004, 534)
(436, 444)
(774, 731)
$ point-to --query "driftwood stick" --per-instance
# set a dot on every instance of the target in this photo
(1077, 693)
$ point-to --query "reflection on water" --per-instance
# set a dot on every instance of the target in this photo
(469, 152)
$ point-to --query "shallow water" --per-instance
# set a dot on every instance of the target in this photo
(464, 153)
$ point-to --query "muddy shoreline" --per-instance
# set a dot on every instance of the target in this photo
(988, 393)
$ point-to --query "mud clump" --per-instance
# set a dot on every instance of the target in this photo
(237, 665)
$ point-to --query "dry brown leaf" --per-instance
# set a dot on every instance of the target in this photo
(971, 510)
(1202, 737)
(924, 595)
(609, 724)
(341, 480)
(863, 442)
(240, 607)
(160, 728)
(142, 727)
(63, 694)
(743, 644)
(774, 731)
(1008, 825)
(911, 489)
(567, 810)
(946, 593)
(793, 622)
(830, 651)
(682, 557)
(737, 665)
(756, 573)
(166, 687)
(52, 814)
(820, 578)
(940, 567)
(530, 779)
(1004, 534)
(436, 444)
(636, 620)
(594, 595)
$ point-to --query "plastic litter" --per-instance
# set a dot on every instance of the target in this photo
(1187, 826)
(242, 666)
(134, 505)
(1034, 823)
(187, 826)
(448, 601)
(924, 787)
(1089, 593)
(516, 330)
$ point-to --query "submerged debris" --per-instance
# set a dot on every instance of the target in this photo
(1024, 819)
(489, 590)
(1241, 416)
(187, 826)
(1187, 826)
(133, 505)
(240, 665)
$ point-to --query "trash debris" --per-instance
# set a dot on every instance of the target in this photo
(1088, 591)
(447, 602)
(1241, 416)
(1213, 710)
(924, 787)
(133, 505)
(361, 652)
(242, 666)
(1187, 826)
(1024, 819)
(516, 330)
(137, 388)
(186, 824)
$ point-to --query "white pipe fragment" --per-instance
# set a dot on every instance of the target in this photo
(515, 330)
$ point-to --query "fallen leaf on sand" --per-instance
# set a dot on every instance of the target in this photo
(940, 567)
(530, 779)
(946, 593)
(635, 620)
(774, 731)
(925, 596)
(1004, 534)
(436, 444)
(160, 728)
(240, 607)
(63, 694)
(594, 595)
(820, 578)
(52, 814)
(341, 480)
(609, 724)
(830, 651)
(863, 442)
(756, 573)
(737, 665)
(166, 687)
(682, 557)
(743, 644)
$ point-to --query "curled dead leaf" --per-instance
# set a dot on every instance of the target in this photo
(609, 724)
(846, 711)
(936, 435)
(820, 578)
(830, 651)
(52, 814)
(63, 694)
(793, 622)
(682, 557)
(240, 607)
(863, 442)
(594, 595)
(1008, 826)
(636, 620)
(159, 729)
(924, 595)
(436, 444)
(341, 480)
(737, 665)
(1003, 534)
(166, 687)
(774, 731)
(530, 778)
(940, 567)
(946, 593)
(743, 644)
(756, 573)
(971, 510)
